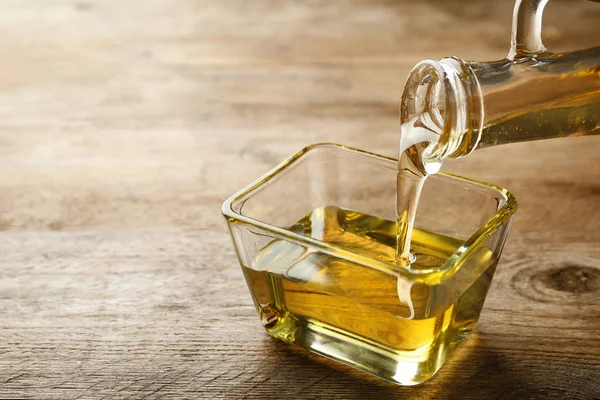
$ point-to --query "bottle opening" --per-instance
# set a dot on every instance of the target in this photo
(441, 101)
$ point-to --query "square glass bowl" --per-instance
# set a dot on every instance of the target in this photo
(315, 238)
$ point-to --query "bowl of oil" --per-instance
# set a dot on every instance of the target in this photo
(316, 241)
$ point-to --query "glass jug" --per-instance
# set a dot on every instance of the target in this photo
(531, 94)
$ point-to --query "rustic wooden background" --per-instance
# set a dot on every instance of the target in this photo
(124, 126)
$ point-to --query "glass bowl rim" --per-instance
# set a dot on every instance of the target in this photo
(432, 276)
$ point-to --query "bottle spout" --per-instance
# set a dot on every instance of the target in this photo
(442, 103)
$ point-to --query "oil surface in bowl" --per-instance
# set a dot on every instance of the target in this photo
(374, 319)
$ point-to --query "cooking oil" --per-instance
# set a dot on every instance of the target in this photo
(416, 136)
(374, 319)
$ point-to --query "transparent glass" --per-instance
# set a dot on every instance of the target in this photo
(531, 94)
(328, 282)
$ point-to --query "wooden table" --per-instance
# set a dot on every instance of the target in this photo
(124, 127)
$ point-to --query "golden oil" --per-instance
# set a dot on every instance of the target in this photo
(373, 319)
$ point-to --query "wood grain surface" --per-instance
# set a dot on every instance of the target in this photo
(124, 126)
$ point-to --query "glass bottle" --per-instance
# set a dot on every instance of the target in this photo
(531, 94)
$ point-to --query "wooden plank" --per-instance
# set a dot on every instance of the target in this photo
(123, 128)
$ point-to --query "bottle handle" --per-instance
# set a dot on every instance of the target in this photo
(526, 38)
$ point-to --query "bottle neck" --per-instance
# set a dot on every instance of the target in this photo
(540, 97)
(476, 105)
